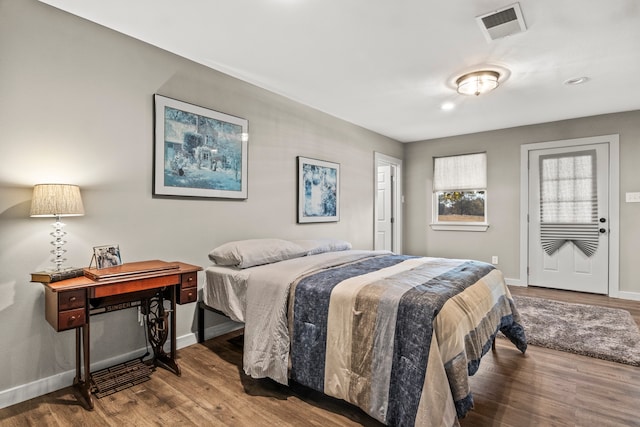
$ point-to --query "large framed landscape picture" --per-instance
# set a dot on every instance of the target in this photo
(199, 152)
(318, 191)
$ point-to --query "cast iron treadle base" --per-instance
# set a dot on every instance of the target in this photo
(119, 377)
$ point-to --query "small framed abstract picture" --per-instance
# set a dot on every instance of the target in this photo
(199, 152)
(107, 256)
(318, 191)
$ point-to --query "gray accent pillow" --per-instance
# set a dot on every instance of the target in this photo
(252, 252)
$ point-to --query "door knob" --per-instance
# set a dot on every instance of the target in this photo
(603, 230)
(603, 220)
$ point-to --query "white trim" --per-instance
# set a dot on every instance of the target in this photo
(614, 204)
(459, 227)
(61, 380)
(399, 198)
(635, 296)
(515, 282)
(210, 332)
(36, 388)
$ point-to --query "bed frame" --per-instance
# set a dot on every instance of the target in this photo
(201, 309)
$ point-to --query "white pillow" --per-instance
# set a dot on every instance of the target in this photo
(319, 246)
(248, 253)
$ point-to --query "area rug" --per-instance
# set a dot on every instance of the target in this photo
(604, 333)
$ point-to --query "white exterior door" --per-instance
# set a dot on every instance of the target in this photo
(569, 218)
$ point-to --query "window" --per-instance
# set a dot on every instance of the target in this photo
(568, 188)
(460, 192)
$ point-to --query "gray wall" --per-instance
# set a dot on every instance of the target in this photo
(503, 193)
(77, 107)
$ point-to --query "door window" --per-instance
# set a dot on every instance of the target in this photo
(569, 201)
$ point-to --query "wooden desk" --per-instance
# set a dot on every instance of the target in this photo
(70, 303)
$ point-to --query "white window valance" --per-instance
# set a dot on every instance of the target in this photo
(463, 172)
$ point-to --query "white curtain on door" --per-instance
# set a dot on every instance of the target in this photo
(569, 201)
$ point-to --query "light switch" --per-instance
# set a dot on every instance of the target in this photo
(632, 197)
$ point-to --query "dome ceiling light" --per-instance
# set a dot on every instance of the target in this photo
(477, 82)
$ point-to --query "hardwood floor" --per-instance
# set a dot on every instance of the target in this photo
(551, 388)
(542, 388)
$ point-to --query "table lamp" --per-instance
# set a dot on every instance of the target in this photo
(57, 200)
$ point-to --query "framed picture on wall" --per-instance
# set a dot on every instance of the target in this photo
(318, 191)
(106, 256)
(199, 152)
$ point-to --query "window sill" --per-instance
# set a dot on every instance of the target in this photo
(459, 227)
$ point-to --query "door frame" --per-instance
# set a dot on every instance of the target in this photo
(398, 198)
(614, 203)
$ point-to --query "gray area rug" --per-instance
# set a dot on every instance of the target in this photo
(604, 333)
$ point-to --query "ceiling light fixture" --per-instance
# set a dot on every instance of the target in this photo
(478, 82)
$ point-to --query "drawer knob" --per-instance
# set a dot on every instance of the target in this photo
(190, 279)
(72, 318)
(72, 299)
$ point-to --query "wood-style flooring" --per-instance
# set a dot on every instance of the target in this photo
(542, 388)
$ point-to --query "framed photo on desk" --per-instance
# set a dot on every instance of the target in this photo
(107, 256)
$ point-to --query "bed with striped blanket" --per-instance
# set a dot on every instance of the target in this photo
(396, 335)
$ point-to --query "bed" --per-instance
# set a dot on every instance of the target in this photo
(396, 335)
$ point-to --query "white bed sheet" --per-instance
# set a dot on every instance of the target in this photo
(225, 289)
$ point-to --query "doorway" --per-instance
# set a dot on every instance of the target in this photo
(387, 203)
(570, 211)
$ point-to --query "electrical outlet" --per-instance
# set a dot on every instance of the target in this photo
(494, 259)
(632, 197)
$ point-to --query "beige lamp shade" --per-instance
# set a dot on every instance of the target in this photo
(56, 200)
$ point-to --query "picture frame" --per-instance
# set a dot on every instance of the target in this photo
(107, 256)
(199, 152)
(318, 190)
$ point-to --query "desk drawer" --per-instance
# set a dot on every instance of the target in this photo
(187, 295)
(189, 280)
(71, 299)
(65, 309)
(71, 319)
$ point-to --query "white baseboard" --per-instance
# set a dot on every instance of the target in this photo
(514, 282)
(58, 381)
(210, 332)
(634, 296)
(55, 382)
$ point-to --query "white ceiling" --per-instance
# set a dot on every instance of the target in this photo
(388, 65)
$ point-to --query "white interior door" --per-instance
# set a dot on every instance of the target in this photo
(387, 208)
(384, 208)
(569, 218)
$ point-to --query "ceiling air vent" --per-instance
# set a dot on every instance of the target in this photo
(502, 22)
